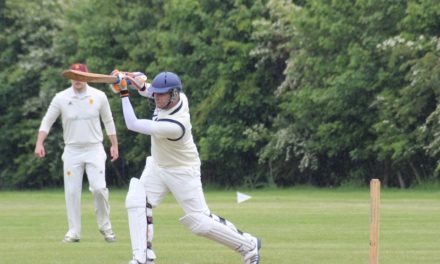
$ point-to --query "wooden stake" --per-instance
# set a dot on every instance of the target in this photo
(374, 220)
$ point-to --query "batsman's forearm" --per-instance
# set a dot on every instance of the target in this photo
(147, 126)
(129, 115)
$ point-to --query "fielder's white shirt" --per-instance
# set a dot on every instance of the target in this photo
(172, 143)
(80, 116)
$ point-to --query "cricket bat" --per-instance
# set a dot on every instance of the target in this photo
(89, 77)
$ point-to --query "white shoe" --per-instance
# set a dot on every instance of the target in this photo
(109, 236)
(70, 239)
(253, 256)
(133, 261)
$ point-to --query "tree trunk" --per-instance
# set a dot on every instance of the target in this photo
(416, 172)
(401, 181)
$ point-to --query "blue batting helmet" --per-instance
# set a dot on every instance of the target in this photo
(166, 82)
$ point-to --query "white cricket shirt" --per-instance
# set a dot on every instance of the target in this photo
(172, 143)
(178, 151)
(80, 116)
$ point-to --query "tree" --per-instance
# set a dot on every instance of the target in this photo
(28, 72)
(322, 133)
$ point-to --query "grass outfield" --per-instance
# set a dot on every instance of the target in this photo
(299, 225)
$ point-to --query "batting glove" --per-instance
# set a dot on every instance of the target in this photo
(137, 80)
(146, 92)
(120, 86)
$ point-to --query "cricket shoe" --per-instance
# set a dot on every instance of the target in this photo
(70, 239)
(109, 236)
(253, 256)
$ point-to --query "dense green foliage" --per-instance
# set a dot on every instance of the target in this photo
(281, 92)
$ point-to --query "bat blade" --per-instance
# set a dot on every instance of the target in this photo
(89, 77)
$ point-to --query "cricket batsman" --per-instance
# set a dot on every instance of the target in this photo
(174, 166)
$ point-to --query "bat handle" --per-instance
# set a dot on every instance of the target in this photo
(126, 79)
(118, 79)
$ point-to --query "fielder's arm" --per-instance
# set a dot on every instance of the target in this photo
(114, 150)
(39, 145)
(49, 118)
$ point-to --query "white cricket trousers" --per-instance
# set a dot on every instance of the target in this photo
(184, 183)
(77, 160)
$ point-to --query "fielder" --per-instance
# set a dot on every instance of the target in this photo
(81, 107)
(174, 166)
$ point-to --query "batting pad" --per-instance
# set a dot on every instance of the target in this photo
(203, 225)
(136, 196)
(135, 202)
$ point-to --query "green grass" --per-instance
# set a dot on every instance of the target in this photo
(299, 225)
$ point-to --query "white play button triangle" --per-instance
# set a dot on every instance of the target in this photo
(241, 197)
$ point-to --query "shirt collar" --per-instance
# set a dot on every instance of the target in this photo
(86, 93)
